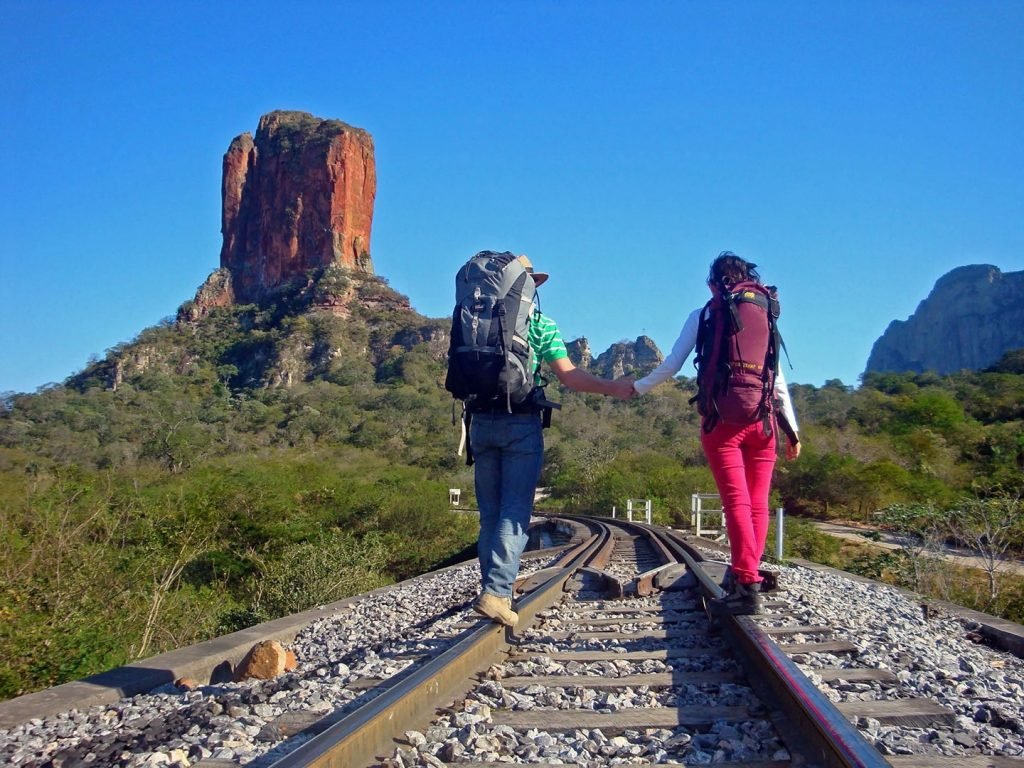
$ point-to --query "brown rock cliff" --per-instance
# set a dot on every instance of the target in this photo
(298, 197)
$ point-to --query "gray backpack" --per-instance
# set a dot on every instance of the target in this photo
(489, 356)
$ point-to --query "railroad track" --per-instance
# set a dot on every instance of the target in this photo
(614, 661)
(616, 658)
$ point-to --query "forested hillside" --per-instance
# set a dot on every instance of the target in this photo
(224, 469)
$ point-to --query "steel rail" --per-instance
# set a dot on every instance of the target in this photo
(359, 738)
(613, 585)
(828, 735)
(650, 533)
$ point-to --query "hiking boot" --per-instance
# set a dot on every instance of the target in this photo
(498, 609)
(728, 580)
(743, 600)
(769, 581)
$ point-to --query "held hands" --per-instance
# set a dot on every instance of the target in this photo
(792, 451)
(622, 387)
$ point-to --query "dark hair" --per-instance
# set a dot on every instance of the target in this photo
(729, 269)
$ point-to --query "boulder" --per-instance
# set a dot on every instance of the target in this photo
(264, 661)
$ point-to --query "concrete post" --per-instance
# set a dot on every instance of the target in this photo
(779, 524)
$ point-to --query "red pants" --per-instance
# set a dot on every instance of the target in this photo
(742, 460)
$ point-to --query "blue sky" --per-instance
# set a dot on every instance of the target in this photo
(857, 151)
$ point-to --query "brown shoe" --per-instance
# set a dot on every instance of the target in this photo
(496, 608)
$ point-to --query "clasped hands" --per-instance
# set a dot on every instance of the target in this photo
(623, 388)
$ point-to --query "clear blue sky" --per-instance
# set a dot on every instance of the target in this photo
(857, 151)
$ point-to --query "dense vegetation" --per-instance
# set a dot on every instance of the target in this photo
(262, 459)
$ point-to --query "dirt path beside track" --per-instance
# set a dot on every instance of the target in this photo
(892, 542)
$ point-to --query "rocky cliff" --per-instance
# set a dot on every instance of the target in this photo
(973, 316)
(636, 358)
(579, 352)
(297, 198)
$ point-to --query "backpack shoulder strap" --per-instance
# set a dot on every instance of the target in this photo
(703, 331)
(707, 359)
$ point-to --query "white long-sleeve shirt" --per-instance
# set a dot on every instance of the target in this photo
(681, 350)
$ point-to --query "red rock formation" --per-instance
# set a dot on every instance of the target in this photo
(299, 197)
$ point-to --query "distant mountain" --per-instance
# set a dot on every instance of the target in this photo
(971, 318)
(635, 358)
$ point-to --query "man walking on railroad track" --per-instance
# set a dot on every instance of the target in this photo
(499, 340)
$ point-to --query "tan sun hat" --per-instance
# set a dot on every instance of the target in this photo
(538, 277)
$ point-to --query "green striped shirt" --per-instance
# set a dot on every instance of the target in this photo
(546, 340)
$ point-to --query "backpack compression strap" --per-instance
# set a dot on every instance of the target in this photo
(771, 367)
(510, 304)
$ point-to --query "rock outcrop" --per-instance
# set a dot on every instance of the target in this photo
(296, 199)
(637, 358)
(633, 358)
(217, 291)
(973, 316)
(579, 352)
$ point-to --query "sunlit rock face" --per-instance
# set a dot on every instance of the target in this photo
(634, 358)
(297, 198)
(579, 352)
(973, 316)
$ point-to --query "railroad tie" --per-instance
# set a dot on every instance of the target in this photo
(614, 723)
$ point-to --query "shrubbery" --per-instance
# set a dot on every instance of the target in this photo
(100, 568)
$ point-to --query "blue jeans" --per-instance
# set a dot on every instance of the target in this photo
(508, 449)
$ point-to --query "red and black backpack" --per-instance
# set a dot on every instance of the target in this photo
(737, 358)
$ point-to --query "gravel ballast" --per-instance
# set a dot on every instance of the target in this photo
(933, 657)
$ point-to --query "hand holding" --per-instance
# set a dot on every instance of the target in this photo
(792, 451)
(623, 387)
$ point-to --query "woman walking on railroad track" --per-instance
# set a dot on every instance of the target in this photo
(743, 401)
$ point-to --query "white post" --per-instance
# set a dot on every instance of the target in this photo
(649, 512)
(779, 523)
(613, 511)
